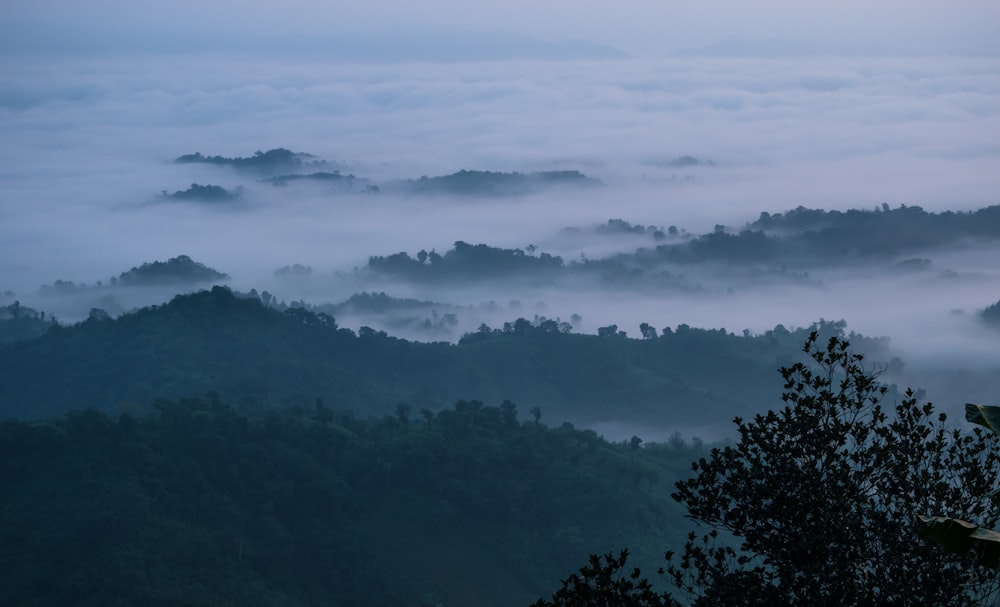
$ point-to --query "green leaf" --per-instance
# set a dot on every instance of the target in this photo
(962, 537)
(984, 415)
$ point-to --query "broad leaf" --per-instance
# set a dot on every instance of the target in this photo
(961, 537)
(984, 415)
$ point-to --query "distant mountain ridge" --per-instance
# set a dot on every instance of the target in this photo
(281, 167)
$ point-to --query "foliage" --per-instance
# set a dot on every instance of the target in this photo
(238, 346)
(962, 537)
(208, 503)
(818, 498)
(180, 269)
(815, 237)
(18, 323)
(319, 176)
(467, 262)
(265, 162)
(602, 583)
(490, 183)
(204, 193)
(991, 314)
(620, 226)
(813, 505)
(779, 247)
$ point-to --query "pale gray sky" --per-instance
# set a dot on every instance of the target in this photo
(637, 26)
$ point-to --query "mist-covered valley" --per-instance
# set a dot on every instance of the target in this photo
(688, 231)
(252, 289)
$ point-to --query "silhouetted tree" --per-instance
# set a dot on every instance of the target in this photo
(815, 503)
(604, 582)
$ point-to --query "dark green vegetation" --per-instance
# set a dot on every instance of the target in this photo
(620, 226)
(815, 504)
(19, 322)
(214, 340)
(782, 246)
(826, 238)
(271, 161)
(177, 271)
(490, 183)
(468, 262)
(280, 166)
(329, 177)
(991, 314)
(347, 469)
(204, 193)
(204, 503)
(960, 536)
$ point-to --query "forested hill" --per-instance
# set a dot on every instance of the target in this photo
(206, 504)
(822, 238)
(214, 340)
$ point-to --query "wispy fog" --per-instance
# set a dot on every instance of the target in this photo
(87, 150)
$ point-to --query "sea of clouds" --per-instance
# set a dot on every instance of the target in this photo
(88, 145)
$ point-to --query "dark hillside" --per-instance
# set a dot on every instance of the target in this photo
(203, 503)
(214, 340)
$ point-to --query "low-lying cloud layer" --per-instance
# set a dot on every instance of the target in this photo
(88, 147)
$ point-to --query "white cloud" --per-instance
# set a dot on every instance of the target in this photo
(87, 146)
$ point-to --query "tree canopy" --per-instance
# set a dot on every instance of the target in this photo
(815, 504)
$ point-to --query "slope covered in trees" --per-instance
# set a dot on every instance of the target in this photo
(783, 246)
(271, 161)
(214, 340)
(817, 504)
(19, 323)
(204, 503)
(491, 183)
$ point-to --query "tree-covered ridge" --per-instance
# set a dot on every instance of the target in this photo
(785, 251)
(378, 302)
(176, 270)
(490, 183)
(214, 340)
(282, 167)
(620, 226)
(821, 502)
(204, 193)
(19, 323)
(467, 262)
(991, 314)
(430, 319)
(331, 177)
(271, 161)
(208, 503)
(881, 231)
(984, 221)
(832, 237)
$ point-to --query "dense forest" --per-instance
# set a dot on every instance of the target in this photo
(246, 350)
(781, 247)
(232, 447)
(208, 503)
(490, 183)
(275, 165)
(271, 161)
(204, 193)
(179, 272)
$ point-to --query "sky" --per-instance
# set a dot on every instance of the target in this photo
(640, 27)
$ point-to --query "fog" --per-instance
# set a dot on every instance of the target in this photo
(88, 146)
